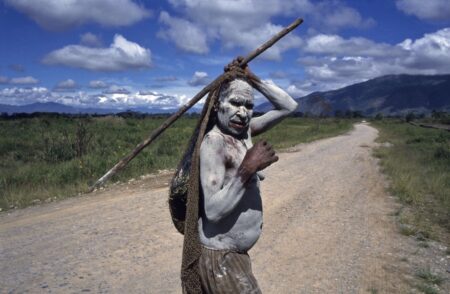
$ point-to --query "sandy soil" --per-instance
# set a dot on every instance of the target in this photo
(329, 227)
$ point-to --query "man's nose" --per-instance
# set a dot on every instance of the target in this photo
(242, 112)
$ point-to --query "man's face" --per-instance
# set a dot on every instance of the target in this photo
(235, 108)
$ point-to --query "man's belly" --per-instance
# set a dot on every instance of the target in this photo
(239, 230)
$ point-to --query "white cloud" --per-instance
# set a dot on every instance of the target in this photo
(296, 91)
(432, 52)
(68, 84)
(433, 10)
(59, 15)
(334, 62)
(185, 34)
(248, 23)
(338, 16)
(199, 78)
(97, 84)
(336, 45)
(121, 55)
(114, 89)
(19, 96)
(91, 40)
(24, 81)
(117, 100)
(252, 38)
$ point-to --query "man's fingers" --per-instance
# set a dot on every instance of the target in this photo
(271, 160)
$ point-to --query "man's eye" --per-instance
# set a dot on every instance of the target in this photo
(235, 103)
(249, 106)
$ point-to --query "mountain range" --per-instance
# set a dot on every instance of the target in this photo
(387, 95)
(62, 108)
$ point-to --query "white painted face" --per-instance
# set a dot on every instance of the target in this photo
(235, 108)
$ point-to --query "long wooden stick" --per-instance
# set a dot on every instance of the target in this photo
(214, 84)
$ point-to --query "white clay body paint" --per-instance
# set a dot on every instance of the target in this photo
(231, 216)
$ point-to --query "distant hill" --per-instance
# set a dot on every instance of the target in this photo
(388, 95)
(61, 108)
(51, 107)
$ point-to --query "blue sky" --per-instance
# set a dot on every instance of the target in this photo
(125, 53)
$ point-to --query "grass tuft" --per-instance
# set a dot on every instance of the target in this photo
(427, 289)
(429, 277)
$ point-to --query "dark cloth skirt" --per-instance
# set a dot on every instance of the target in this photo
(225, 271)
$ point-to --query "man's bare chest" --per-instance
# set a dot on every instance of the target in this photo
(234, 151)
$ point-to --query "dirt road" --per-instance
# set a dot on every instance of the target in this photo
(328, 228)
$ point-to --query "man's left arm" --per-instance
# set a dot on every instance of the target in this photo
(284, 105)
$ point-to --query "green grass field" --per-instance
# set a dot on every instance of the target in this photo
(47, 158)
(418, 165)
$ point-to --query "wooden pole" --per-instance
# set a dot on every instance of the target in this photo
(214, 84)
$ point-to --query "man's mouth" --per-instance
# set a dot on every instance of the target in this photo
(238, 124)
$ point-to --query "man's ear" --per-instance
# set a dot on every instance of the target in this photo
(216, 105)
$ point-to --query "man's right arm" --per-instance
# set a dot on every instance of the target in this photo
(219, 200)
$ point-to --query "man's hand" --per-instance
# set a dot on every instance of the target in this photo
(257, 158)
(240, 72)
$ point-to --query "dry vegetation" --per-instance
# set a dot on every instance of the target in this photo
(417, 161)
(51, 157)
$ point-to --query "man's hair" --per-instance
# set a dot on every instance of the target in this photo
(237, 84)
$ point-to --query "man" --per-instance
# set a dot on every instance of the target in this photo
(230, 220)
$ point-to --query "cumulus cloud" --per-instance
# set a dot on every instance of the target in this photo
(120, 100)
(61, 15)
(145, 99)
(97, 84)
(334, 62)
(114, 89)
(185, 34)
(432, 52)
(68, 84)
(91, 40)
(24, 81)
(252, 38)
(248, 23)
(333, 16)
(120, 55)
(199, 78)
(432, 10)
(19, 96)
(297, 90)
(336, 45)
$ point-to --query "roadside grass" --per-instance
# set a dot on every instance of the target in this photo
(293, 131)
(429, 277)
(418, 166)
(47, 158)
(429, 281)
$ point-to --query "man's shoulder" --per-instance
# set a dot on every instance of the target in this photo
(213, 139)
